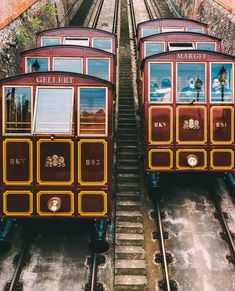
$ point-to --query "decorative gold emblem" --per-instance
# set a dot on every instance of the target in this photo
(191, 124)
(55, 161)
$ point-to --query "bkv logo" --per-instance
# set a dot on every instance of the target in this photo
(191, 124)
(54, 161)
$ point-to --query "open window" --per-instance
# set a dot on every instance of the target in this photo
(92, 111)
(208, 46)
(37, 65)
(68, 64)
(98, 68)
(77, 41)
(53, 110)
(17, 110)
(191, 82)
(170, 29)
(46, 41)
(152, 48)
(221, 82)
(174, 46)
(103, 44)
(150, 31)
(160, 87)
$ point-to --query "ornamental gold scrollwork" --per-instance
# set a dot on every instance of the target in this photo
(55, 161)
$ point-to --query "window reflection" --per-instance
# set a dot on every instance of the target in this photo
(160, 83)
(221, 82)
(103, 44)
(150, 31)
(206, 46)
(98, 68)
(191, 83)
(92, 111)
(153, 48)
(17, 110)
(54, 111)
(171, 29)
(46, 41)
(37, 65)
(68, 65)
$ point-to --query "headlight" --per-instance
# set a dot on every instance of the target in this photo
(192, 160)
(54, 204)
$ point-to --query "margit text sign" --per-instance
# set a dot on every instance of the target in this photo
(54, 80)
(191, 56)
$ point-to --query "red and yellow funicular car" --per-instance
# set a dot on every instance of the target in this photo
(71, 58)
(84, 36)
(188, 100)
(161, 25)
(57, 146)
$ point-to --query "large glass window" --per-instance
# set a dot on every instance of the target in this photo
(103, 44)
(195, 29)
(77, 41)
(17, 109)
(92, 111)
(221, 82)
(208, 46)
(150, 31)
(37, 65)
(46, 41)
(68, 65)
(191, 83)
(160, 83)
(53, 111)
(152, 48)
(98, 68)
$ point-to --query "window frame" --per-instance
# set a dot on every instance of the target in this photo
(68, 58)
(78, 110)
(35, 110)
(153, 42)
(102, 38)
(210, 83)
(172, 82)
(35, 57)
(99, 58)
(59, 37)
(4, 133)
(205, 85)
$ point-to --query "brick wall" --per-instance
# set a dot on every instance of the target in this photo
(228, 4)
(11, 9)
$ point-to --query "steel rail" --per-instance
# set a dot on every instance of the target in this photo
(94, 271)
(156, 9)
(115, 20)
(19, 266)
(133, 21)
(95, 22)
(174, 8)
(224, 224)
(165, 267)
(148, 10)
